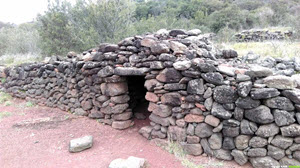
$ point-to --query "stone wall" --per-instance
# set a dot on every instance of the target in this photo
(208, 100)
(262, 35)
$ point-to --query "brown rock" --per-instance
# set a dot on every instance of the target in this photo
(212, 120)
(193, 118)
(151, 97)
(122, 124)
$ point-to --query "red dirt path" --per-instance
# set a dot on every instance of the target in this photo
(35, 137)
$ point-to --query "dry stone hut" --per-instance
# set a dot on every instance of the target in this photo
(204, 98)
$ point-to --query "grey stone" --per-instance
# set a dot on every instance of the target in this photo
(293, 95)
(159, 120)
(172, 99)
(264, 93)
(223, 154)
(259, 71)
(208, 103)
(258, 142)
(282, 103)
(146, 131)
(289, 162)
(282, 142)
(219, 111)
(238, 114)
(169, 75)
(206, 148)
(131, 71)
(247, 103)
(80, 144)
(123, 116)
(106, 71)
(208, 93)
(244, 88)
(195, 86)
(215, 141)
(242, 78)
(114, 89)
(257, 152)
(225, 94)
(230, 131)
(239, 157)
(117, 109)
(228, 143)
(203, 130)
(213, 77)
(296, 155)
(267, 130)
(245, 128)
(193, 149)
(280, 82)
(291, 130)
(120, 99)
(242, 141)
(206, 67)
(176, 32)
(159, 48)
(263, 162)
(260, 114)
(176, 133)
(283, 118)
(80, 112)
(275, 152)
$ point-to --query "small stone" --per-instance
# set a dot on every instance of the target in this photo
(213, 77)
(146, 131)
(151, 97)
(169, 75)
(225, 94)
(228, 143)
(259, 71)
(192, 139)
(289, 162)
(80, 144)
(159, 48)
(177, 133)
(230, 131)
(283, 118)
(206, 148)
(162, 110)
(263, 162)
(293, 95)
(275, 152)
(258, 142)
(244, 88)
(242, 141)
(261, 114)
(80, 112)
(264, 93)
(203, 130)
(245, 128)
(282, 103)
(173, 99)
(191, 118)
(215, 141)
(211, 120)
(122, 124)
(193, 149)
(247, 103)
(182, 65)
(219, 111)
(131, 162)
(280, 82)
(268, 130)
(291, 130)
(195, 86)
(223, 154)
(239, 157)
(226, 70)
(123, 116)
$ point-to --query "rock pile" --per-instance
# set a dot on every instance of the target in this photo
(262, 35)
(207, 99)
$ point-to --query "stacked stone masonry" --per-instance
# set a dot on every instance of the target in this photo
(206, 99)
(262, 35)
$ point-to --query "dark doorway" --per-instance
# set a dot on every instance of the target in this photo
(138, 103)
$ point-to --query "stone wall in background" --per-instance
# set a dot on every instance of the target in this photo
(208, 100)
(262, 35)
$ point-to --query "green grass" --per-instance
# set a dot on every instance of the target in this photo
(8, 103)
(5, 114)
(4, 97)
(277, 49)
(3, 80)
(29, 104)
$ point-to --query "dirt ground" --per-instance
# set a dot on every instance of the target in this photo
(34, 137)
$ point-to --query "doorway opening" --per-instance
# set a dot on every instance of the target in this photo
(137, 102)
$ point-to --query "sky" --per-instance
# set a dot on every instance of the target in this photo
(21, 11)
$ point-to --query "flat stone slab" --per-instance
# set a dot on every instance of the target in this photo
(80, 144)
(130, 71)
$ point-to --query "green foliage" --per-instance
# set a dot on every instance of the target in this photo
(20, 39)
(4, 97)
(4, 114)
(29, 104)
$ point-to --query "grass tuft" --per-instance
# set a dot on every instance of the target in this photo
(29, 104)
(4, 97)
(5, 114)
